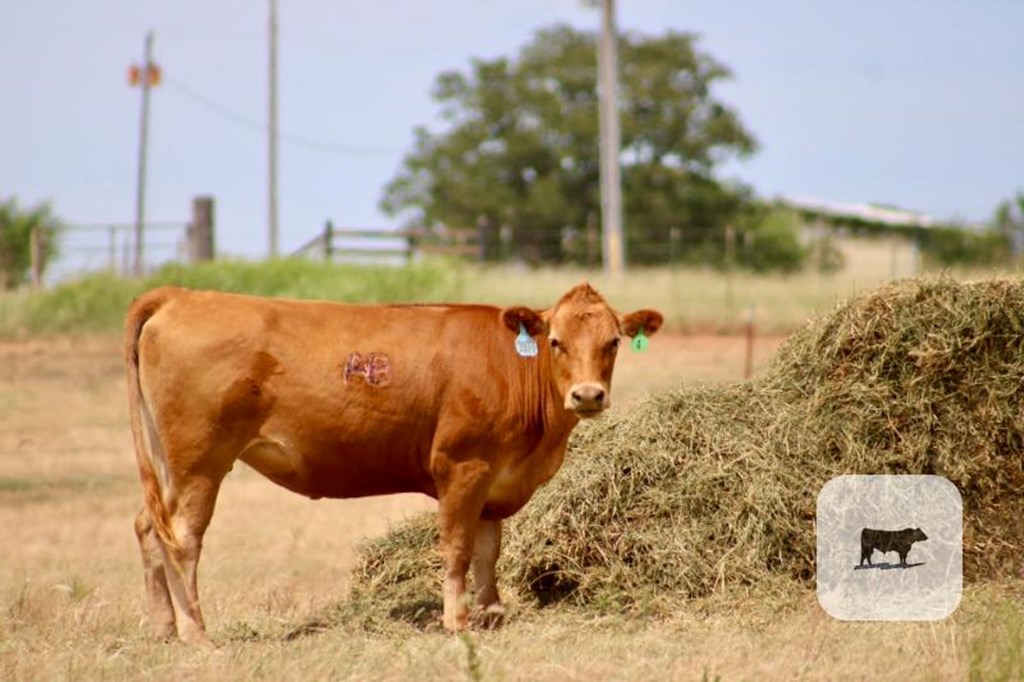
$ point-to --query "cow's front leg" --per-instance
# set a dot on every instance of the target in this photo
(485, 557)
(462, 492)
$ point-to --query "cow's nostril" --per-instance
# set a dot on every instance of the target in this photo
(587, 395)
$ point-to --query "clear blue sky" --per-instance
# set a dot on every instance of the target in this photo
(918, 103)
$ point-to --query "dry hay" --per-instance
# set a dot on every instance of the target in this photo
(712, 491)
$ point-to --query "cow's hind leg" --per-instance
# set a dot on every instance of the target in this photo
(485, 556)
(161, 609)
(192, 503)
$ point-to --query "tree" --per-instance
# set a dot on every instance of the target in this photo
(16, 227)
(1009, 222)
(520, 145)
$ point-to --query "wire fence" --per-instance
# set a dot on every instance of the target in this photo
(387, 246)
(110, 247)
(488, 243)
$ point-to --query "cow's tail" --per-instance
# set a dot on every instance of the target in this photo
(143, 425)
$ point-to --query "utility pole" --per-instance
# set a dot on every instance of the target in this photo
(147, 76)
(272, 141)
(611, 185)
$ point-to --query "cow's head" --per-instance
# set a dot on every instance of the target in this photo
(581, 336)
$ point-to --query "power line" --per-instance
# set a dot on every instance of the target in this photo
(248, 123)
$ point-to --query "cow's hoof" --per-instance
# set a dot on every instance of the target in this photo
(161, 631)
(199, 640)
(167, 633)
(490, 618)
(456, 626)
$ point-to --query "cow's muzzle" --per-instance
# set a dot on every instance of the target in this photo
(587, 400)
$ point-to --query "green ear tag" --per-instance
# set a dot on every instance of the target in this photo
(640, 342)
(525, 345)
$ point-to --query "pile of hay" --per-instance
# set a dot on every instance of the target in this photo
(705, 491)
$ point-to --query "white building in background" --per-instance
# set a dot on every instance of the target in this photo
(875, 240)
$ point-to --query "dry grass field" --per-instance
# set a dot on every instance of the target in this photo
(71, 597)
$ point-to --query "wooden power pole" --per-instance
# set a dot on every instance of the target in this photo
(272, 132)
(611, 184)
(146, 76)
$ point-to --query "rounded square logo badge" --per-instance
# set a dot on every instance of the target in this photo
(889, 547)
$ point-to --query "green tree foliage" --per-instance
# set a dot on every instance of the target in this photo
(999, 244)
(520, 148)
(1009, 222)
(16, 227)
(946, 246)
(770, 242)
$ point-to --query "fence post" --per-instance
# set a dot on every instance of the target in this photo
(483, 238)
(200, 232)
(112, 249)
(410, 246)
(730, 261)
(748, 363)
(893, 255)
(328, 241)
(36, 256)
(819, 249)
(674, 239)
(591, 239)
(126, 253)
(505, 234)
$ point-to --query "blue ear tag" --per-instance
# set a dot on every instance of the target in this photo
(525, 345)
(640, 342)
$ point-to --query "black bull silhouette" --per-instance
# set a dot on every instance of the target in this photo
(884, 541)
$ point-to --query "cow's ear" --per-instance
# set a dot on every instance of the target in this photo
(531, 319)
(649, 320)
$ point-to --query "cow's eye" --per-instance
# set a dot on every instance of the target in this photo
(554, 343)
(614, 345)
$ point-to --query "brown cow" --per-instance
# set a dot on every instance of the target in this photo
(335, 400)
